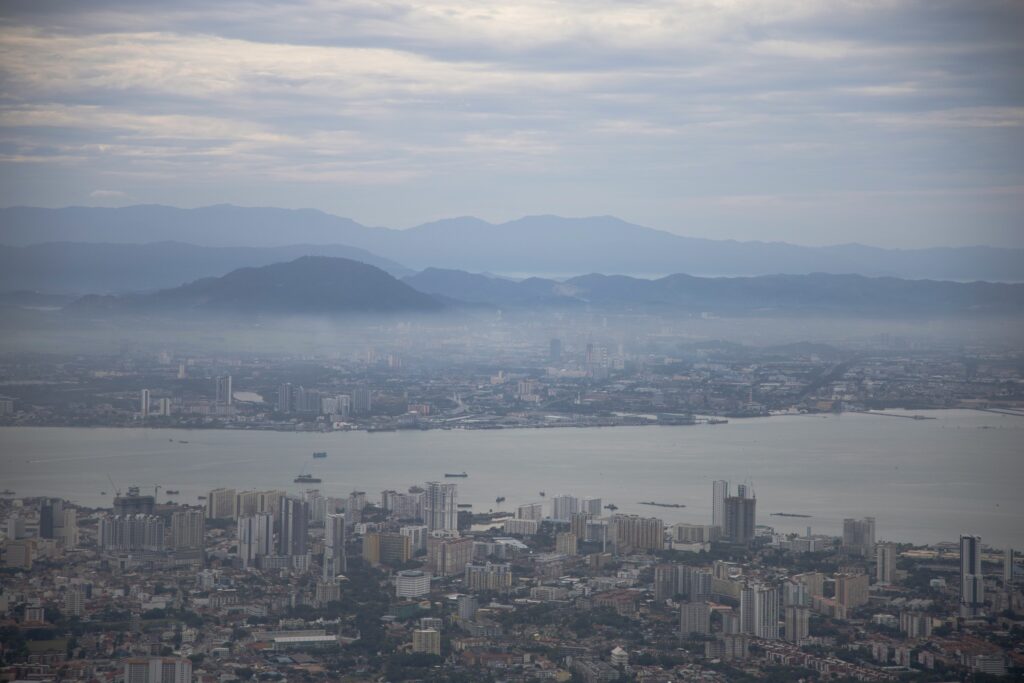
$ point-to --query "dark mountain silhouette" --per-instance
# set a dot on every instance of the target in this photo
(533, 244)
(308, 285)
(100, 267)
(770, 294)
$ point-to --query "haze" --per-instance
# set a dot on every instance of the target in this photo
(895, 124)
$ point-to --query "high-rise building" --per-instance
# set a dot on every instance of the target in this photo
(859, 536)
(417, 537)
(255, 537)
(719, 492)
(224, 394)
(439, 506)
(666, 581)
(293, 539)
(49, 510)
(555, 351)
(386, 548)
(187, 529)
(489, 577)
(131, 532)
(134, 504)
(632, 533)
(412, 583)
(220, 504)
(566, 543)
(740, 519)
(972, 585)
(335, 561)
(74, 600)
(534, 511)
(362, 401)
(591, 506)
(851, 593)
(564, 507)
(885, 563)
(521, 527)
(448, 556)
(284, 398)
(354, 506)
(798, 623)
(700, 585)
(157, 670)
(69, 530)
(467, 606)
(694, 617)
(427, 641)
(759, 611)
(144, 403)
(578, 524)
(1007, 567)
(163, 408)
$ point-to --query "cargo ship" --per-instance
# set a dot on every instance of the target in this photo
(320, 454)
(451, 475)
(307, 479)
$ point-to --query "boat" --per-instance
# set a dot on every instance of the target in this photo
(320, 454)
(787, 514)
(541, 494)
(6, 492)
(661, 505)
(172, 492)
(499, 499)
(464, 505)
(452, 475)
(182, 441)
(201, 497)
(307, 479)
(611, 506)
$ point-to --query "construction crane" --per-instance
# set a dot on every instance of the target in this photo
(117, 491)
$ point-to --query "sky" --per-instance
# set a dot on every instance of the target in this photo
(897, 123)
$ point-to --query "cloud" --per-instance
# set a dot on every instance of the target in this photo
(563, 105)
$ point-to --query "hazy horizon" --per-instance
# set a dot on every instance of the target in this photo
(897, 124)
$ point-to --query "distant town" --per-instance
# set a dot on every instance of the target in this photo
(405, 584)
(427, 379)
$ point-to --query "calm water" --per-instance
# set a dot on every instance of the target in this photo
(924, 480)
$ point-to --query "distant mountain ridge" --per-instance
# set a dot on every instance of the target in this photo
(537, 244)
(81, 267)
(817, 294)
(310, 285)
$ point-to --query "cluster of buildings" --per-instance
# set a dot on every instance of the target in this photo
(284, 584)
(614, 379)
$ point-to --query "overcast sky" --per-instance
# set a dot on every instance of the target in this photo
(896, 123)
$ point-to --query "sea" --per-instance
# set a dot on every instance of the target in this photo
(924, 480)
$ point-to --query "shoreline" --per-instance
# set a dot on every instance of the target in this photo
(637, 421)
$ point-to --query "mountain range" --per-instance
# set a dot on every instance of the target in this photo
(533, 244)
(816, 293)
(324, 286)
(81, 267)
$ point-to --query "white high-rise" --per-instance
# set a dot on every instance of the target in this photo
(719, 492)
(439, 506)
(144, 402)
(759, 611)
(972, 585)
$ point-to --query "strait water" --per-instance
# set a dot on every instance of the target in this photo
(924, 480)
